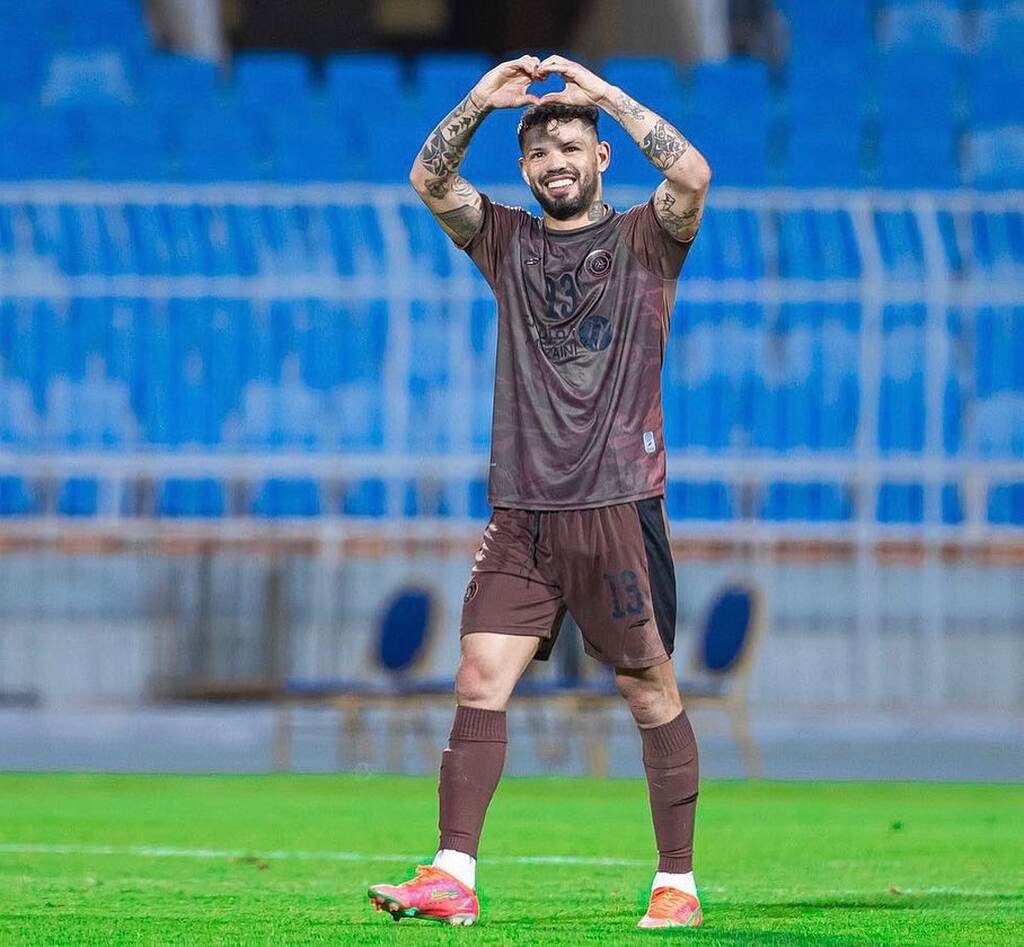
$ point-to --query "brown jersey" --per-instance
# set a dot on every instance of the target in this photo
(583, 317)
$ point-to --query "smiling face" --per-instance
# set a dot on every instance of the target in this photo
(562, 163)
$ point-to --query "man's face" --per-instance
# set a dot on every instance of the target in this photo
(562, 164)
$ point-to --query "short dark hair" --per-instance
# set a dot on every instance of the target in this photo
(555, 111)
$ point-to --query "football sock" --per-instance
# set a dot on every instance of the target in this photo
(668, 879)
(670, 762)
(459, 864)
(471, 766)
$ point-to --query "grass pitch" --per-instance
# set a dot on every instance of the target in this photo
(286, 860)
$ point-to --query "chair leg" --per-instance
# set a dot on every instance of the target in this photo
(740, 720)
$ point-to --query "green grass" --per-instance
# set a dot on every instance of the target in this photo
(779, 863)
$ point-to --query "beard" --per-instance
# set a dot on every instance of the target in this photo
(564, 208)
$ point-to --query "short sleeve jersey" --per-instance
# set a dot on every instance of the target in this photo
(583, 317)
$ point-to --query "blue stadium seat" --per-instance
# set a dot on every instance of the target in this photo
(430, 249)
(101, 23)
(493, 156)
(281, 497)
(356, 239)
(79, 496)
(216, 142)
(844, 29)
(16, 497)
(353, 79)
(998, 241)
(729, 246)
(900, 503)
(710, 500)
(36, 145)
(812, 502)
(899, 244)
(124, 144)
(817, 245)
(823, 155)
(185, 497)
(928, 87)
(365, 498)
(901, 406)
(426, 497)
(995, 80)
(173, 80)
(952, 507)
(1006, 504)
(996, 157)
(917, 157)
(446, 78)
(270, 81)
(730, 118)
(307, 143)
(479, 508)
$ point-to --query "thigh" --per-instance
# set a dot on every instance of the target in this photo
(620, 586)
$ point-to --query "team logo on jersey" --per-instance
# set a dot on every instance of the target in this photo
(595, 333)
(598, 262)
(471, 591)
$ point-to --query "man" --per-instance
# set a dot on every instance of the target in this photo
(577, 462)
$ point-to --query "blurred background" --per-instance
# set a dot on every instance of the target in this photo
(245, 383)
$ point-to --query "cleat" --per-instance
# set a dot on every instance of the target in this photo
(432, 895)
(670, 907)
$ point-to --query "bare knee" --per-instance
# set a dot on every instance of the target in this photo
(652, 696)
(478, 684)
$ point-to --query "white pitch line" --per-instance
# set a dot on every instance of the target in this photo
(157, 851)
(162, 851)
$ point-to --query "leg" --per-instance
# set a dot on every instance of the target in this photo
(471, 765)
(670, 760)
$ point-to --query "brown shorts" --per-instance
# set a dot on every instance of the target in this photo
(611, 567)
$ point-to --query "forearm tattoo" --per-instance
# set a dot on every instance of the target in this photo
(681, 222)
(664, 145)
(626, 107)
(446, 147)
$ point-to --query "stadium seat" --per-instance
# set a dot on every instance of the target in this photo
(124, 144)
(36, 145)
(1006, 504)
(216, 143)
(444, 79)
(995, 80)
(365, 498)
(355, 78)
(183, 497)
(173, 80)
(817, 245)
(900, 503)
(730, 118)
(101, 23)
(900, 244)
(271, 81)
(901, 404)
(698, 501)
(79, 496)
(286, 498)
(16, 497)
(307, 142)
(998, 242)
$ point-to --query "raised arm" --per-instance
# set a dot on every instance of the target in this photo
(435, 173)
(679, 199)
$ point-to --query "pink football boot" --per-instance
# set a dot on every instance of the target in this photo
(670, 907)
(433, 895)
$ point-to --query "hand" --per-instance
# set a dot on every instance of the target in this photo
(504, 87)
(582, 87)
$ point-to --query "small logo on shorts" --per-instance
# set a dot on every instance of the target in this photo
(648, 442)
(532, 261)
(598, 262)
(471, 591)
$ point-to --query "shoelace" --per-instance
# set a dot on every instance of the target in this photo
(667, 901)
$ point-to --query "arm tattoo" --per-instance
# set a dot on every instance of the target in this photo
(463, 222)
(663, 145)
(681, 223)
(445, 148)
(625, 107)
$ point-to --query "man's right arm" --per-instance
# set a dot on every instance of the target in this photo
(435, 174)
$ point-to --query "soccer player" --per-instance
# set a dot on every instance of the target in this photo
(577, 472)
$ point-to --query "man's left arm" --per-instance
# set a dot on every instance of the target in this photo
(679, 199)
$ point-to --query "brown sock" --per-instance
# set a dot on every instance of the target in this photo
(670, 761)
(470, 769)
